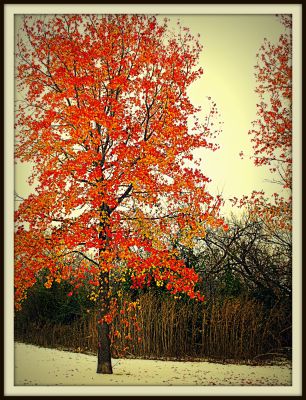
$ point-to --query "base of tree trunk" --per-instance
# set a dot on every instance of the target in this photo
(104, 368)
(104, 364)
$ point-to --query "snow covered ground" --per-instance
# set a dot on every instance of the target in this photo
(37, 366)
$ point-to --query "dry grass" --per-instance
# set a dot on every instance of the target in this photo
(236, 329)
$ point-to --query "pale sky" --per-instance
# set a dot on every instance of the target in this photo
(231, 43)
(228, 58)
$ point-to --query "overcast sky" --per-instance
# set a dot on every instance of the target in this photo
(228, 58)
(231, 43)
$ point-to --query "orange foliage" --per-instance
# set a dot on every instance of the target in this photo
(105, 119)
(272, 131)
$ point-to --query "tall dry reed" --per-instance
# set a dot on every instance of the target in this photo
(236, 329)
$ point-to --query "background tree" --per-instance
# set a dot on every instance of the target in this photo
(248, 258)
(271, 135)
(272, 131)
(107, 122)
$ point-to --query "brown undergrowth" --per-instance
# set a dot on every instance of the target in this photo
(233, 330)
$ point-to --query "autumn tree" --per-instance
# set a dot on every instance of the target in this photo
(271, 135)
(108, 125)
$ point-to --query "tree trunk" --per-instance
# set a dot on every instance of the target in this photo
(104, 352)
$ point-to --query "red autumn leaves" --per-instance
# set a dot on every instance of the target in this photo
(105, 121)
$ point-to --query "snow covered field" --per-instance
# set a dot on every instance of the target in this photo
(37, 366)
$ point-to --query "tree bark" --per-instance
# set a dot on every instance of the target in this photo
(104, 350)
